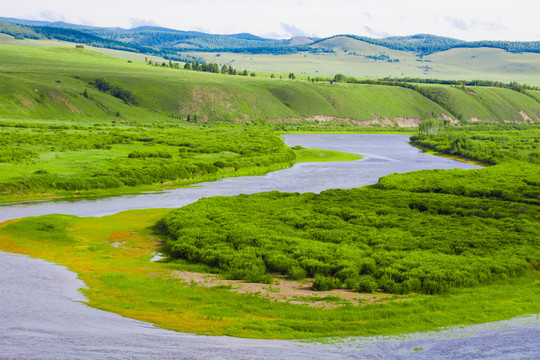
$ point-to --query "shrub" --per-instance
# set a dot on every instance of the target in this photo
(367, 286)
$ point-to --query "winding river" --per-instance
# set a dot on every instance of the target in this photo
(42, 314)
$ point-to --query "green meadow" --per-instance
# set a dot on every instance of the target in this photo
(54, 83)
(350, 59)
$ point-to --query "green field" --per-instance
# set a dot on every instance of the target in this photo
(54, 84)
(455, 64)
(32, 87)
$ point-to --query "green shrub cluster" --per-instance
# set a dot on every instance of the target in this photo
(104, 86)
(157, 154)
(401, 241)
(426, 231)
(492, 145)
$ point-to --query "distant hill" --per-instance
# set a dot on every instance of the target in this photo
(425, 44)
(169, 43)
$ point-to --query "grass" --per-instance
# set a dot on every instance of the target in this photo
(455, 64)
(318, 155)
(123, 280)
(33, 87)
(45, 85)
(487, 103)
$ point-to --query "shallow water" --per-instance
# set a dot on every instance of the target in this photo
(41, 314)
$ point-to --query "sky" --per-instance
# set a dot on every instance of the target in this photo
(515, 20)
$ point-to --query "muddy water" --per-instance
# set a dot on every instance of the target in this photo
(42, 316)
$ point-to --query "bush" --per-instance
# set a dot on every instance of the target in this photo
(323, 283)
(367, 286)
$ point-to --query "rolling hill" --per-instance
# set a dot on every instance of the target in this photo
(60, 83)
(418, 56)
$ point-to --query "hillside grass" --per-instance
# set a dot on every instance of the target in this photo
(349, 59)
(32, 87)
(476, 103)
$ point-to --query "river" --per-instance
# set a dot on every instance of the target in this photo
(43, 315)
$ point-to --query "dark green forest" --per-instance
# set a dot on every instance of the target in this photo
(424, 232)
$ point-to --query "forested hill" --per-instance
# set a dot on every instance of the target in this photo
(426, 44)
(169, 42)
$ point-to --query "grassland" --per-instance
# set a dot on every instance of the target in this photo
(54, 84)
(39, 161)
(349, 59)
(32, 87)
(59, 129)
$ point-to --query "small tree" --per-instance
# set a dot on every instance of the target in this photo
(292, 76)
(339, 78)
(224, 69)
(187, 66)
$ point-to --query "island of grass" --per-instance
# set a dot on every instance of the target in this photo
(320, 155)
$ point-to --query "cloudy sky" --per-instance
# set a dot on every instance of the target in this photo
(463, 19)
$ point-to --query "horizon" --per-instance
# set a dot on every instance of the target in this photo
(463, 19)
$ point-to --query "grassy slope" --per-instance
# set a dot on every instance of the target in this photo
(47, 83)
(456, 64)
(487, 103)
